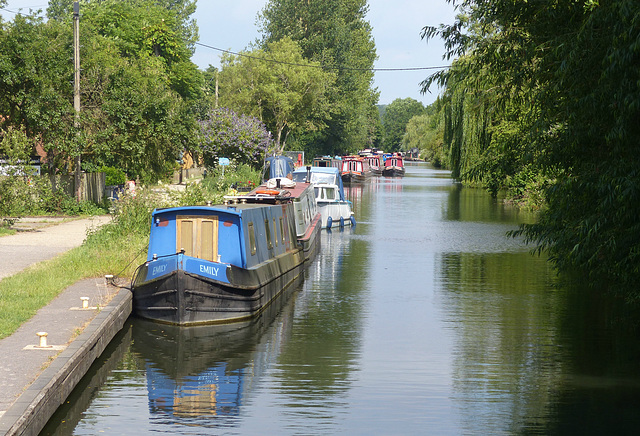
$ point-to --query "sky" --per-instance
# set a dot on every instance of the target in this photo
(396, 27)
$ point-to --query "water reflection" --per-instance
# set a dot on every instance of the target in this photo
(599, 392)
(109, 366)
(504, 317)
(316, 366)
(201, 376)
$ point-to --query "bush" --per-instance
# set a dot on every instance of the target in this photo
(221, 179)
(113, 176)
(21, 195)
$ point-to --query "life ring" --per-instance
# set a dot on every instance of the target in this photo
(268, 191)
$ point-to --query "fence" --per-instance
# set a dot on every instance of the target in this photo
(93, 186)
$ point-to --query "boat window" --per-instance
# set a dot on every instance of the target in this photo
(330, 194)
(198, 236)
(252, 238)
(275, 232)
(267, 229)
(282, 229)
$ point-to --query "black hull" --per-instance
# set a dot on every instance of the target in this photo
(183, 298)
(393, 172)
(349, 178)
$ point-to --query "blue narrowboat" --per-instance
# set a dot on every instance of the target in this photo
(277, 167)
(223, 263)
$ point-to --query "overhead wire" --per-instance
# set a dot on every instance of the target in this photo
(324, 67)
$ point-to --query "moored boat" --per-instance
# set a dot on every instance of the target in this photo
(226, 263)
(355, 169)
(277, 167)
(335, 209)
(327, 161)
(375, 163)
(393, 166)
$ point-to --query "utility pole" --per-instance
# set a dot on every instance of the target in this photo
(216, 87)
(76, 95)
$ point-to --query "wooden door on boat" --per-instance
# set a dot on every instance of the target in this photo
(198, 236)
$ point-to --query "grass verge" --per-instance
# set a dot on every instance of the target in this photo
(107, 251)
(5, 231)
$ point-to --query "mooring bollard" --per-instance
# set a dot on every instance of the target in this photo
(109, 279)
(43, 340)
(85, 302)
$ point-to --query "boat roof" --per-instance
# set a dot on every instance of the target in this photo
(234, 209)
(335, 172)
(328, 170)
(267, 194)
(277, 166)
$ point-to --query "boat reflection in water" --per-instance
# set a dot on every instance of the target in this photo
(201, 375)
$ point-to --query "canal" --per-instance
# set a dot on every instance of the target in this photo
(424, 319)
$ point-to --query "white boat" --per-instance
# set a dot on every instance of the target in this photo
(334, 208)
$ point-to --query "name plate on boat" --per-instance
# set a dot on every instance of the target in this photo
(160, 267)
(204, 268)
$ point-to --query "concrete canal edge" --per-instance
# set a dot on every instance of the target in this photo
(33, 409)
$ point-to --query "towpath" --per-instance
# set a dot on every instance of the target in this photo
(42, 239)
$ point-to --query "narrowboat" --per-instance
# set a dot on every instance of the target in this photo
(393, 166)
(327, 161)
(375, 163)
(355, 169)
(225, 263)
(334, 208)
(277, 167)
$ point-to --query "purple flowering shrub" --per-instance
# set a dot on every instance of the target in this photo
(241, 138)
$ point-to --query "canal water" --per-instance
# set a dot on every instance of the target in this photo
(424, 319)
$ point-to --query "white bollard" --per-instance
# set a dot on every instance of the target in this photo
(109, 279)
(85, 302)
(43, 339)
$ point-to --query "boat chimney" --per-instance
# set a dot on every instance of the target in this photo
(308, 173)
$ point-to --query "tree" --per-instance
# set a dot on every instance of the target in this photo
(337, 36)
(395, 119)
(36, 84)
(278, 86)
(140, 91)
(425, 132)
(180, 10)
(239, 137)
(573, 64)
